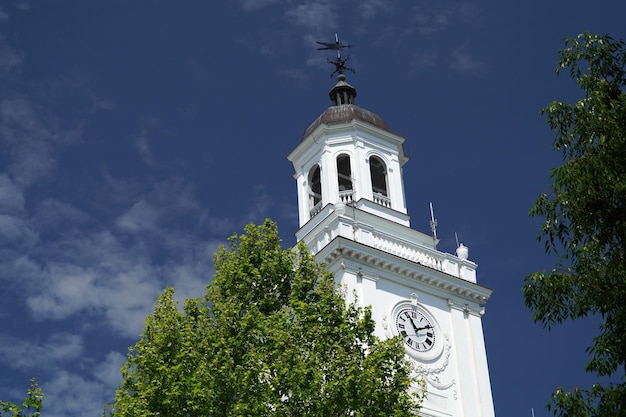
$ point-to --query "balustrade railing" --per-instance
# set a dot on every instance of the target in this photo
(407, 251)
(316, 209)
(346, 197)
(383, 200)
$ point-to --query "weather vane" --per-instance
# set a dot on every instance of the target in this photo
(339, 63)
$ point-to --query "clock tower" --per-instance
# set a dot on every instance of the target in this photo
(353, 216)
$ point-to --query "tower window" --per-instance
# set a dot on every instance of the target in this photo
(315, 190)
(378, 173)
(344, 179)
(344, 173)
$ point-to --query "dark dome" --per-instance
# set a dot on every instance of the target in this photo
(346, 113)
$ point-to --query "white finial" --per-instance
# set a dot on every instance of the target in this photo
(462, 251)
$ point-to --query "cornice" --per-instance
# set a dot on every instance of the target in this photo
(401, 268)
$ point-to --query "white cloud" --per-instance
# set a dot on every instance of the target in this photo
(23, 6)
(110, 276)
(98, 103)
(431, 20)
(252, 5)
(260, 207)
(33, 161)
(143, 146)
(68, 288)
(295, 74)
(17, 269)
(222, 226)
(11, 196)
(140, 217)
(54, 215)
(33, 139)
(15, 233)
(317, 16)
(174, 195)
(462, 60)
(27, 354)
(108, 371)
(129, 297)
(371, 8)
(63, 347)
(115, 191)
(267, 50)
(118, 280)
(191, 279)
(101, 277)
(67, 393)
(468, 13)
(9, 57)
(70, 394)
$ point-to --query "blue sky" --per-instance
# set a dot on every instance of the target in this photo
(135, 136)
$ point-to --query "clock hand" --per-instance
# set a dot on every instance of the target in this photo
(415, 328)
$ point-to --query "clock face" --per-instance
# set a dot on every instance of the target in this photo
(415, 329)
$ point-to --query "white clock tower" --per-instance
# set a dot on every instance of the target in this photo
(353, 216)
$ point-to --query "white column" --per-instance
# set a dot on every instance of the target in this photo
(484, 398)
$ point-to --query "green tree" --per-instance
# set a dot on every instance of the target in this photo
(31, 407)
(273, 336)
(585, 221)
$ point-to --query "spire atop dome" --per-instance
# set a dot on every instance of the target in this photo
(342, 96)
(342, 93)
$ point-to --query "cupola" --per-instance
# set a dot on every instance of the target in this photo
(349, 156)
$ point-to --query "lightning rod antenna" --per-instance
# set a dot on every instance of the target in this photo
(457, 239)
(433, 225)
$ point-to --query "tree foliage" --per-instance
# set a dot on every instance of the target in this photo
(585, 221)
(31, 407)
(272, 337)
